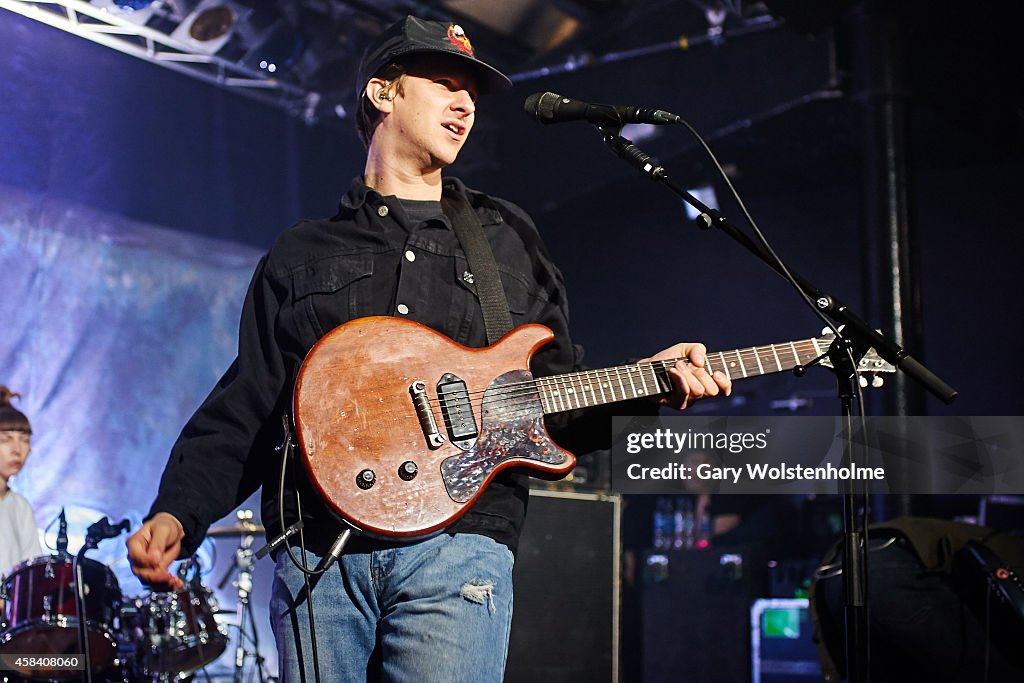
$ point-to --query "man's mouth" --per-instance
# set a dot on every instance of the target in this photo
(454, 127)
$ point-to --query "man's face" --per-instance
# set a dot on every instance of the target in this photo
(434, 112)
(14, 448)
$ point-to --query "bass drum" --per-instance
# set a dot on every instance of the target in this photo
(174, 633)
(41, 613)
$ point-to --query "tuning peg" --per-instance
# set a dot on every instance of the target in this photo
(877, 381)
(862, 381)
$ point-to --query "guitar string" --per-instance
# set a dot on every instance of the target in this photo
(632, 370)
(516, 397)
(619, 374)
(624, 371)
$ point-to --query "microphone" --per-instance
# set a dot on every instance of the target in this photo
(549, 107)
(101, 530)
(62, 534)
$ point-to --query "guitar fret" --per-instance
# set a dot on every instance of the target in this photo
(560, 393)
(549, 386)
(567, 388)
(655, 379)
(583, 384)
(817, 350)
(588, 377)
(545, 403)
(563, 389)
(606, 384)
(588, 388)
(739, 360)
(632, 385)
(757, 357)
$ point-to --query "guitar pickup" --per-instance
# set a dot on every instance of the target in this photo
(457, 410)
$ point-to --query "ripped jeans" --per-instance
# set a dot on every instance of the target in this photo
(437, 610)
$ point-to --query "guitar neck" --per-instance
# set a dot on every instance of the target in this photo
(559, 393)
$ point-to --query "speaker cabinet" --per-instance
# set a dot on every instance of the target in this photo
(696, 614)
(565, 624)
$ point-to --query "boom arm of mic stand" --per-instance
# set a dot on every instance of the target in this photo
(856, 330)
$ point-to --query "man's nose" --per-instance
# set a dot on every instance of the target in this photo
(463, 102)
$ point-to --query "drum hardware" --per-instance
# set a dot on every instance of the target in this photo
(245, 623)
(243, 529)
(170, 635)
(96, 532)
(42, 614)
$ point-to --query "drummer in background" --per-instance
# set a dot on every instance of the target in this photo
(19, 535)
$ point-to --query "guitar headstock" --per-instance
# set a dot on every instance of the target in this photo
(870, 363)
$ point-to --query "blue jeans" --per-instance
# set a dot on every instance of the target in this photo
(435, 610)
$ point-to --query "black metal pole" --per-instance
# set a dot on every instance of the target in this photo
(881, 84)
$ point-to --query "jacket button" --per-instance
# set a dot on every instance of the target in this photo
(410, 255)
(403, 309)
(382, 211)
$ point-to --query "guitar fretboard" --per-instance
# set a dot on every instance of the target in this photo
(559, 393)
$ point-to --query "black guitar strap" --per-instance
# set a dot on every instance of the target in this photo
(484, 269)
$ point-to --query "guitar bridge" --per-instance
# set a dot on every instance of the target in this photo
(457, 410)
(421, 402)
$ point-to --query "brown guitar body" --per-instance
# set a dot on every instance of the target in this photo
(358, 428)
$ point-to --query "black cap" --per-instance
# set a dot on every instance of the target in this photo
(415, 36)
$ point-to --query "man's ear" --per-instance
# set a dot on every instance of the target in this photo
(379, 92)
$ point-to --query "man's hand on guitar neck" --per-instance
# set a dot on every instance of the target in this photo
(691, 380)
(153, 547)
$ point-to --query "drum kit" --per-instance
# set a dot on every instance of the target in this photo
(156, 637)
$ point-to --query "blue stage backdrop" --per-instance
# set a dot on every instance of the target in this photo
(114, 331)
(93, 304)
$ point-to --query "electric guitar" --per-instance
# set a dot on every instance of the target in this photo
(402, 428)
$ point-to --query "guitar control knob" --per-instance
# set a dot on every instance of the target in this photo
(366, 479)
(407, 471)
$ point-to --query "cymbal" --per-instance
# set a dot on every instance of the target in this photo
(241, 529)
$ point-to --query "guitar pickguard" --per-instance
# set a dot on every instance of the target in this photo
(512, 426)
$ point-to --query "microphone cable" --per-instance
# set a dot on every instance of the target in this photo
(286, 451)
(861, 521)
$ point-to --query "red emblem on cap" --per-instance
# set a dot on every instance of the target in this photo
(458, 38)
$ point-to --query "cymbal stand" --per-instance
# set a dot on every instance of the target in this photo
(245, 622)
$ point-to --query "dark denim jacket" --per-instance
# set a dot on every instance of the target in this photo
(370, 259)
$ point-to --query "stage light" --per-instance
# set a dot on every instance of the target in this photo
(282, 46)
(133, 5)
(209, 25)
(136, 11)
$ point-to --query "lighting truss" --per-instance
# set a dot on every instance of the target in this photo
(117, 31)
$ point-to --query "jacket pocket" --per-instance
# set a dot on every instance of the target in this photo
(330, 292)
(522, 293)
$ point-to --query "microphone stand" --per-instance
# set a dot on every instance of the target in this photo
(857, 336)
